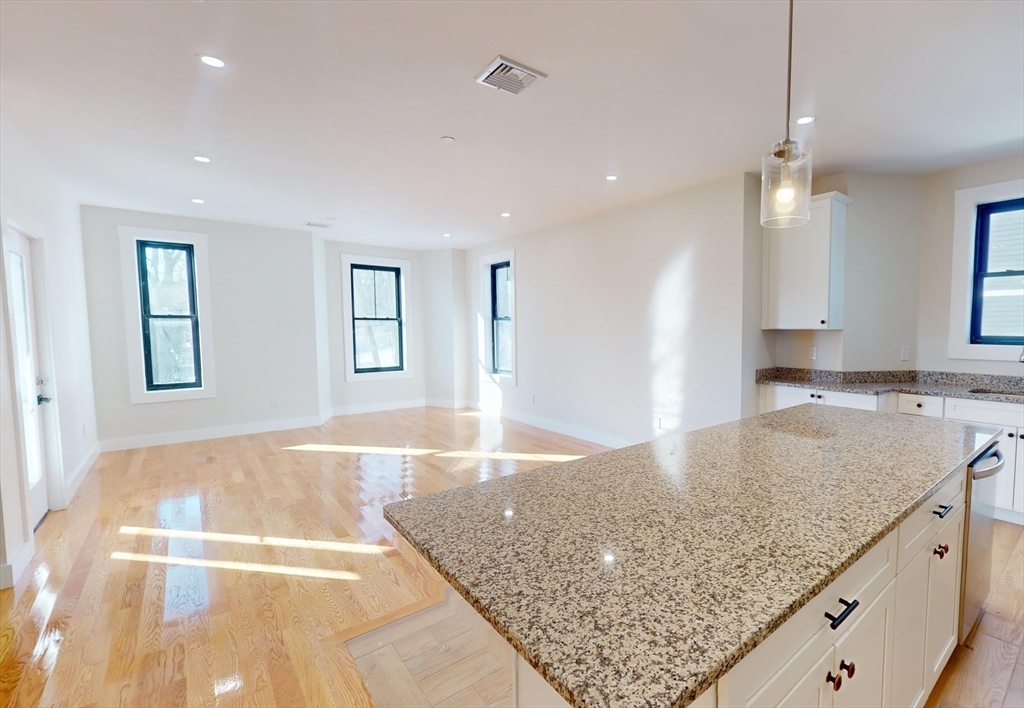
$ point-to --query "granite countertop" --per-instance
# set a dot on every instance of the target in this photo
(923, 389)
(640, 576)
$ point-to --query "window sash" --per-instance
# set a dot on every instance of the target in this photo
(397, 318)
(148, 317)
(981, 275)
(496, 318)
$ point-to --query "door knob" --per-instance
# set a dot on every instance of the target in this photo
(848, 668)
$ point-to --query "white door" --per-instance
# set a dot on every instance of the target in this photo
(908, 681)
(798, 272)
(26, 367)
(813, 690)
(863, 655)
(943, 625)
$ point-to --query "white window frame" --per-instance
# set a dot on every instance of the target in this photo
(405, 268)
(487, 337)
(965, 215)
(129, 236)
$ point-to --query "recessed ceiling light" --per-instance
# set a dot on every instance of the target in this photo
(212, 61)
(447, 139)
(805, 120)
(611, 178)
(200, 158)
(447, 235)
(198, 201)
(505, 213)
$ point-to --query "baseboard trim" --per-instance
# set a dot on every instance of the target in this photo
(72, 483)
(10, 572)
(1014, 517)
(573, 431)
(228, 431)
(378, 407)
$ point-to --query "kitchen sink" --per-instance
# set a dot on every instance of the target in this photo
(996, 392)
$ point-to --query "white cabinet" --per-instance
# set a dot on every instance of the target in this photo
(810, 690)
(776, 398)
(802, 279)
(864, 656)
(942, 626)
(844, 399)
(779, 397)
(1018, 474)
(909, 687)
(914, 404)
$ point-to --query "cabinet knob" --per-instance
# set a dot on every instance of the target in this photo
(941, 551)
(836, 681)
(819, 395)
(823, 322)
(1009, 435)
(812, 395)
(920, 405)
(848, 668)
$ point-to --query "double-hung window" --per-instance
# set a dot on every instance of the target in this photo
(170, 318)
(501, 318)
(377, 337)
(997, 303)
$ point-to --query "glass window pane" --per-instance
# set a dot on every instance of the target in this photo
(376, 345)
(362, 293)
(503, 345)
(386, 291)
(1002, 307)
(168, 279)
(171, 353)
(1005, 241)
(502, 291)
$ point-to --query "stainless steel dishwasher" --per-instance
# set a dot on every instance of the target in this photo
(981, 497)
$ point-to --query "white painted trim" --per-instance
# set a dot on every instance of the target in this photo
(227, 431)
(485, 292)
(10, 572)
(1014, 517)
(573, 431)
(133, 313)
(378, 407)
(965, 210)
(440, 403)
(74, 481)
(347, 260)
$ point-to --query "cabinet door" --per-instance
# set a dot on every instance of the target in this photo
(798, 272)
(908, 680)
(1018, 473)
(1005, 497)
(942, 626)
(813, 690)
(780, 397)
(864, 655)
(843, 399)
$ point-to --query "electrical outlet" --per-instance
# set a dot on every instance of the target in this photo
(904, 353)
(275, 401)
(812, 353)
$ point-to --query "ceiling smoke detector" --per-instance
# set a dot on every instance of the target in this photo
(507, 75)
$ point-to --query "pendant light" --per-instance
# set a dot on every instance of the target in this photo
(786, 170)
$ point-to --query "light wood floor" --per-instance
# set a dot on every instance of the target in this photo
(281, 556)
(988, 669)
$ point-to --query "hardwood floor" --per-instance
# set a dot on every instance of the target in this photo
(988, 669)
(234, 571)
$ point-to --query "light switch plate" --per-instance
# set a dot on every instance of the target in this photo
(905, 354)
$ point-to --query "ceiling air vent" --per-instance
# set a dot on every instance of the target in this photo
(508, 75)
(317, 225)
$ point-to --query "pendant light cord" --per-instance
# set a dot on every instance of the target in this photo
(789, 69)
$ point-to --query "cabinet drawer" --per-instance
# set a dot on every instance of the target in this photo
(1010, 415)
(800, 637)
(918, 529)
(864, 402)
(913, 404)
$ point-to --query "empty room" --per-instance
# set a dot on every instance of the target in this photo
(530, 354)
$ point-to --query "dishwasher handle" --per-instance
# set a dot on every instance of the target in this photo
(990, 470)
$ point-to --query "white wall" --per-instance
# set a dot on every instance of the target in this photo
(322, 323)
(628, 317)
(264, 332)
(380, 394)
(32, 197)
(936, 264)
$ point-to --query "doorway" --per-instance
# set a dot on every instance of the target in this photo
(26, 366)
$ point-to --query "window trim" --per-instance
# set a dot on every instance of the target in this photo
(398, 318)
(132, 297)
(981, 246)
(486, 335)
(408, 323)
(193, 316)
(966, 202)
(495, 267)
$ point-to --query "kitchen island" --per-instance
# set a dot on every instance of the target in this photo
(641, 576)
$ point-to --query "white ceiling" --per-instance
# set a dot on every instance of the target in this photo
(337, 109)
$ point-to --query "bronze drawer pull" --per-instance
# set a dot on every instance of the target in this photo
(848, 668)
(836, 681)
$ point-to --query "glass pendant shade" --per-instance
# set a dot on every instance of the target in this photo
(785, 186)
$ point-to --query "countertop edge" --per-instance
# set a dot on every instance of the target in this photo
(746, 645)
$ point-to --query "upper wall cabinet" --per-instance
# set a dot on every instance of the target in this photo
(802, 283)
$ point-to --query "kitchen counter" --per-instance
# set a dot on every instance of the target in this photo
(640, 576)
(922, 389)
